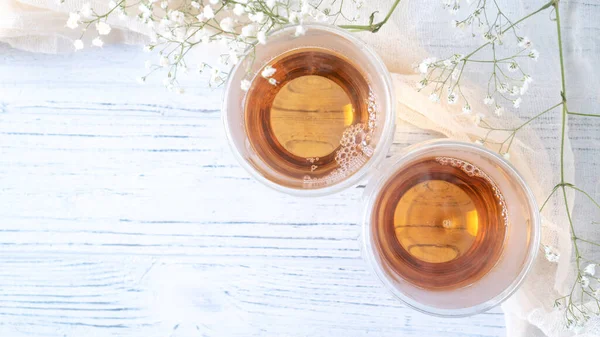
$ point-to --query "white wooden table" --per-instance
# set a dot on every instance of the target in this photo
(123, 213)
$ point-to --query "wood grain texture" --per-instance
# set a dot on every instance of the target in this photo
(123, 213)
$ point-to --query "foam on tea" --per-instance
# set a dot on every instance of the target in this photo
(312, 120)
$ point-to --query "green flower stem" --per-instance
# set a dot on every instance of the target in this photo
(563, 94)
(580, 114)
(587, 241)
(373, 27)
(584, 193)
(565, 110)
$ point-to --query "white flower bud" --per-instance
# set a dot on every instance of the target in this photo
(78, 44)
(103, 28)
(97, 42)
(245, 85)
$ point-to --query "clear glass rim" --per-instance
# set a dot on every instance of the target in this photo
(382, 147)
(370, 196)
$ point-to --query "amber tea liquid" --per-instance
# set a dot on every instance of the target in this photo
(440, 223)
(314, 124)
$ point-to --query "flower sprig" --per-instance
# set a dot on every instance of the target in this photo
(443, 78)
(240, 25)
(508, 80)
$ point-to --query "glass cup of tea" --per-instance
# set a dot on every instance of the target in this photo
(315, 113)
(450, 228)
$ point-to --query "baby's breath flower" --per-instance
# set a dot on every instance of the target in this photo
(176, 16)
(141, 80)
(145, 10)
(215, 72)
(585, 282)
(502, 88)
(524, 42)
(448, 63)
(424, 66)
(434, 97)
(534, 54)
(73, 21)
(86, 10)
(498, 110)
(121, 13)
(240, 24)
(500, 37)
(458, 24)
(590, 269)
(233, 58)
(321, 17)
(272, 81)
(180, 90)
(527, 78)
(513, 66)
(488, 100)
(514, 91)
(300, 30)
(200, 34)
(78, 44)
(268, 71)
(452, 98)
(305, 8)
(164, 61)
(478, 118)
(517, 103)
(466, 109)
(103, 28)
(208, 12)
(239, 9)
(201, 67)
(524, 88)
(258, 17)
(293, 17)
(506, 155)
(452, 6)
(97, 42)
(261, 37)
(457, 57)
(551, 254)
(248, 30)
(478, 142)
(226, 24)
(245, 85)
(489, 37)
(422, 84)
